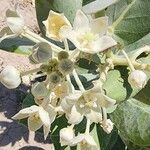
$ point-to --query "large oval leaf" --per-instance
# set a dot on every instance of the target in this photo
(130, 19)
(132, 118)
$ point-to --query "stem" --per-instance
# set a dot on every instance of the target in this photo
(30, 38)
(123, 62)
(79, 83)
(40, 39)
(87, 131)
(66, 45)
(128, 60)
(140, 51)
(69, 80)
(30, 71)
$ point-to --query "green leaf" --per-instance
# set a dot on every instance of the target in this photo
(68, 7)
(132, 119)
(17, 45)
(130, 19)
(117, 86)
(138, 44)
(144, 94)
(106, 140)
(85, 2)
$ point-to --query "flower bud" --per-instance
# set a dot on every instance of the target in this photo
(42, 52)
(137, 78)
(15, 21)
(54, 78)
(39, 91)
(10, 77)
(107, 126)
(66, 135)
(66, 66)
(63, 55)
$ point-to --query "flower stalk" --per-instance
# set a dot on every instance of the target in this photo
(30, 71)
(128, 60)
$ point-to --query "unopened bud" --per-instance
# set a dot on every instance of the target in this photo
(137, 78)
(54, 78)
(10, 77)
(107, 126)
(66, 135)
(42, 52)
(63, 55)
(66, 66)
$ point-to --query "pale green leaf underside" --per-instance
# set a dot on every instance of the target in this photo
(132, 118)
(131, 19)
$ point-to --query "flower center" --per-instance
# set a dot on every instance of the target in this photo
(86, 39)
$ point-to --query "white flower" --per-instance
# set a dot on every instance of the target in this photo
(61, 90)
(85, 140)
(37, 117)
(15, 21)
(66, 135)
(53, 24)
(88, 35)
(74, 117)
(69, 100)
(137, 78)
(107, 126)
(94, 116)
(10, 77)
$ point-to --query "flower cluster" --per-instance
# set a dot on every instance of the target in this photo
(57, 95)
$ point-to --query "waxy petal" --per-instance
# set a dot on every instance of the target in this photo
(99, 25)
(46, 130)
(34, 123)
(44, 116)
(103, 43)
(26, 112)
(53, 24)
(81, 22)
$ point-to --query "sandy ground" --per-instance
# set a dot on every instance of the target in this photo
(14, 136)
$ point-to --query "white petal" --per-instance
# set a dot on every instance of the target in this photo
(89, 139)
(102, 44)
(94, 116)
(66, 135)
(26, 112)
(105, 101)
(74, 117)
(53, 24)
(46, 130)
(67, 33)
(34, 123)
(97, 5)
(71, 99)
(81, 22)
(52, 113)
(99, 25)
(44, 116)
(77, 139)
